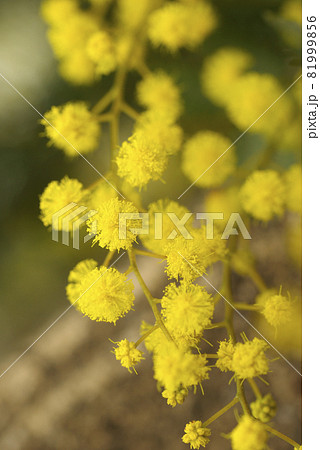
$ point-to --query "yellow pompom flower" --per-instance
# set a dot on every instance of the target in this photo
(221, 70)
(72, 128)
(225, 356)
(101, 294)
(277, 309)
(175, 397)
(184, 259)
(127, 353)
(161, 226)
(251, 96)
(56, 12)
(181, 24)
(249, 359)
(100, 50)
(157, 91)
(264, 408)
(57, 196)
(76, 276)
(196, 434)
(202, 151)
(159, 127)
(141, 160)
(264, 296)
(188, 309)
(263, 195)
(78, 68)
(293, 182)
(174, 367)
(249, 434)
(112, 227)
(73, 35)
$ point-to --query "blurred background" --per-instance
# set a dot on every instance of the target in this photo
(68, 391)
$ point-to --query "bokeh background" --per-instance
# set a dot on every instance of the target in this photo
(68, 391)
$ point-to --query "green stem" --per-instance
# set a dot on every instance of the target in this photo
(229, 325)
(221, 412)
(257, 279)
(104, 102)
(242, 398)
(145, 335)
(282, 436)
(129, 111)
(217, 325)
(148, 295)
(254, 387)
(108, 258)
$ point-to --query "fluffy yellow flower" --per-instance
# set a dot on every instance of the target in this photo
(187, 309)
(57, 196)
(161, 226)
(72, 126)
(264, 408)
(159, 127)
(225, 355)
(157, 91)
(293, 182)
(73, 35)
(203, 150)
(100, 50)
(249, 359)
(181, 24)
(196, 434)
(141, 160)
(101, 294)
(76, 276)
(56, 12)
(175, 367)
(277, 309)
(78, 68)
(249, 434)
(221, 70)
(263, 195)
(127, 353)
(112, 228)
(251, 96)
(184, 259)
(175, 397)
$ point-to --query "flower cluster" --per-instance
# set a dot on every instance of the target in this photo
(246, 360)
(109, 41)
